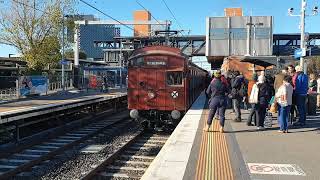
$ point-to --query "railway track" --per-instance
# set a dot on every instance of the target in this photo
(30, 157)
(131, 160)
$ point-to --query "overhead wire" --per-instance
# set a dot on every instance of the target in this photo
(95, 8)
(172, 14)
(148, 11)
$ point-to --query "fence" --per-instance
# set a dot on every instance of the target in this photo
(54, 85)
(8, 94)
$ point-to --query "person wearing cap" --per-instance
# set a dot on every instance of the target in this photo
(217, 91)
(300, 85)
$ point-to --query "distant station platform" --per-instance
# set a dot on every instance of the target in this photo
(242, 152)
(29, 107)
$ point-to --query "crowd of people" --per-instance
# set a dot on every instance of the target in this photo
(285, 93)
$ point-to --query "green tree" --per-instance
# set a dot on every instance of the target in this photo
(70, 54)
(34, 27)
(314, 65)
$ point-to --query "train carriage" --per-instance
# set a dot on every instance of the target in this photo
(162, 85)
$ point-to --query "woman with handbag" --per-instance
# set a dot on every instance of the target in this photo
(284, 100)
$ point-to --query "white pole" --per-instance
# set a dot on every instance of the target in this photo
(248, 39)
(62, 74)
(302, 28)
(76, 44)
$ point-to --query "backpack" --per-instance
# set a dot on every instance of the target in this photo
(243, 91)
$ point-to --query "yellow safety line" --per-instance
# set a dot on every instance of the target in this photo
(213, 160)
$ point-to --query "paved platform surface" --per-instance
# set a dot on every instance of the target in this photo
(62, 98)
(242, 152)
(300, 148)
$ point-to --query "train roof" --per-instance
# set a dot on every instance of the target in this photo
(157, 50)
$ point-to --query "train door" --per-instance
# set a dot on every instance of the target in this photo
(151, 87)
(175, 89)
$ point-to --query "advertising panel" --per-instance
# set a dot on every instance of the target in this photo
(31, 85)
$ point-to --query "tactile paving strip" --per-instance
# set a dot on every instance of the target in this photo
(214, 162)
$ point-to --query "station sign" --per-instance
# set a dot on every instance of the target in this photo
(64, 62)
(302, 52)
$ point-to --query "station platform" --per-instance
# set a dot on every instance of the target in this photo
(29, 107)
(242, 152)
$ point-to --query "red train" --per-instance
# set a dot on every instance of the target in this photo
(162, 85)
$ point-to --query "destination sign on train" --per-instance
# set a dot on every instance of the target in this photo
(155, 63)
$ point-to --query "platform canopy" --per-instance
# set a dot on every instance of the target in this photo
(266, 61)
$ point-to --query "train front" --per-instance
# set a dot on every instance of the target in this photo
(156, 86)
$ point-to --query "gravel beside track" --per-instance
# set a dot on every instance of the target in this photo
(132, 163)
(72, 164)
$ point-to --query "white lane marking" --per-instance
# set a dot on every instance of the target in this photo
(281, 169)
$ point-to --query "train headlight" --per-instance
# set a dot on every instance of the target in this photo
(175, 114)
(134, 114)
(151, 95)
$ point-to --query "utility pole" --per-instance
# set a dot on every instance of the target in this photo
(303, 15)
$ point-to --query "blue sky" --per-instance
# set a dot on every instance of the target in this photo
(191, 13)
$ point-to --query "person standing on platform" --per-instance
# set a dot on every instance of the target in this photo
(318, 91)
(236, 98)
(217, 91)
(300, 84)
(291, 70)
(284, 99)
(264, 96)
(278, 81)
(252, 115)
(313, 83)
(293, 109)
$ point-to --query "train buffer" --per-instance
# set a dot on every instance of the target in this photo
(242, 152)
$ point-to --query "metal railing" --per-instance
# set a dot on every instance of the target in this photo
(8, 94)
(57, 86)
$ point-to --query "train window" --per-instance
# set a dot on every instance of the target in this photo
(138, 62)
(174, 77)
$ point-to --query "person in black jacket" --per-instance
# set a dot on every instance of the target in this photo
(217, 92)
(236, 84)
(264, 96)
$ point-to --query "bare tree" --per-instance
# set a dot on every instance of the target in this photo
(34, 28)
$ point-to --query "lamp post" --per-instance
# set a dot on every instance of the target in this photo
(302, 16)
